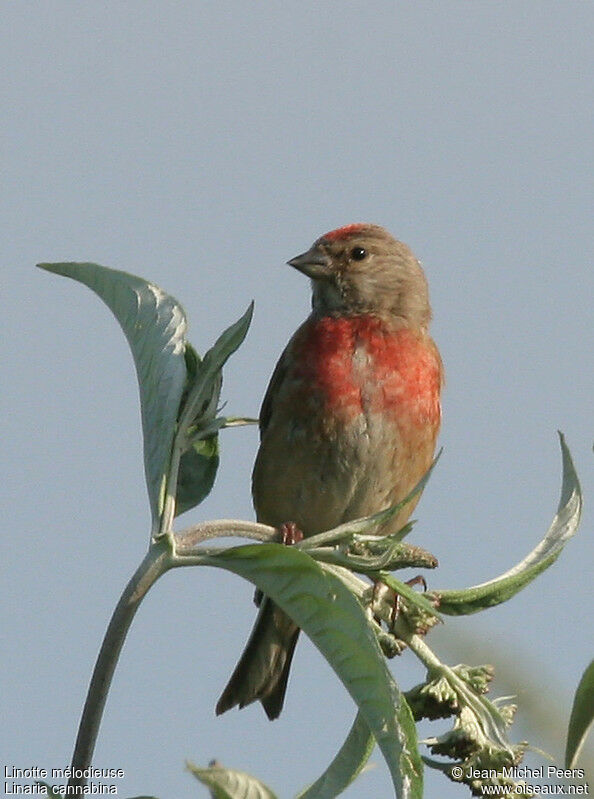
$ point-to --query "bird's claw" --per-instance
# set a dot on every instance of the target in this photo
(288, 534)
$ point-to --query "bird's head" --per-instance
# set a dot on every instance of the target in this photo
(361, 268)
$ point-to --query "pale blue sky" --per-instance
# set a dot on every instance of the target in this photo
(201, 145)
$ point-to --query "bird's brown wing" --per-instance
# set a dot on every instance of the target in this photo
(278, 375)
(263, 669)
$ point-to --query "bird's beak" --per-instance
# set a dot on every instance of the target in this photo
(314, 263)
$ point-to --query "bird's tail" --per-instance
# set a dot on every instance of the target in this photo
(263, 669)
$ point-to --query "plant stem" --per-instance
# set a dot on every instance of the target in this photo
(168, 512)
(417, 645)
(159, 559)
(156, 562)
(187, 539)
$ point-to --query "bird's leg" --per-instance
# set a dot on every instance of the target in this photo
(288, 534)
(396, 601)
(418, 580)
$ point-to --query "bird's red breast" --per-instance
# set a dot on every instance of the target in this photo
(363, 364)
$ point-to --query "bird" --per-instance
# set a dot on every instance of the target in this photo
(349, 422)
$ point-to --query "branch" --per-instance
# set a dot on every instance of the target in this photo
(156, 562)
(186, 541)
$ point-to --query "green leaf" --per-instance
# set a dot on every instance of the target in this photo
(315, 597)
(198, 425)
(229, 340)
(582, 716)
(240, 421)
(193, 361)
(500, 589)
(206, 411)
(155, 325)
(197, 435)
(207, 372)
(197, 472)
(348, 763)
(229, 784)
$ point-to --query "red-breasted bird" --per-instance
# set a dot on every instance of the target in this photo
(349, 421)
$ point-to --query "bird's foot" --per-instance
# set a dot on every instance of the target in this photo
(396, 599)
(288, 534)
(418, 580)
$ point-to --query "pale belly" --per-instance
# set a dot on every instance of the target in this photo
(356, 470)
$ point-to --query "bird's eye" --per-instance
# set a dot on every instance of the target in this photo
(358, 253)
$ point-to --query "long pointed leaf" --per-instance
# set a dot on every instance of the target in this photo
(214, 360)
(200, 457)
(564, 525)
(230, 784)
(319, 602)
(197, 471)
(155, 325)
(582, 717)
(348, 763)
(230, 339)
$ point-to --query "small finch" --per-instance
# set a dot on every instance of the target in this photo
(349, 421)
